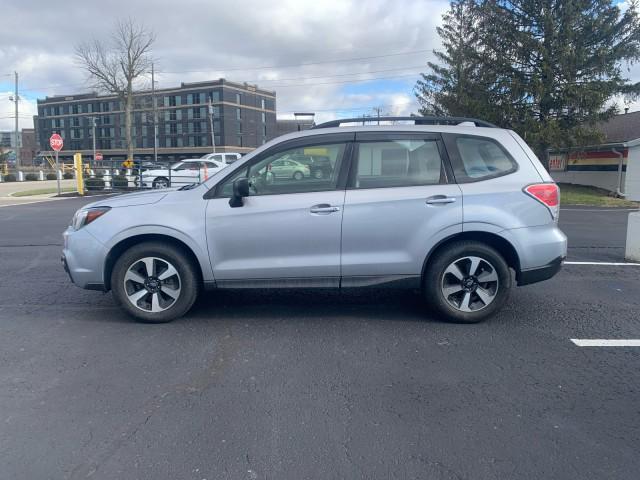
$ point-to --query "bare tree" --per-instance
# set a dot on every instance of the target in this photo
(115, 67)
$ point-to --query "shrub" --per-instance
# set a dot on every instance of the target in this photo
(31, 177)
(120, 181)
(9, 177)
(99, 175)
(51, 176)
(94, 184)
(67, 175)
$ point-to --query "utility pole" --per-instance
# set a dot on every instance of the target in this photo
(93, 137)
(213, 134)
(16, 98)
(155, 115)
(377, 110)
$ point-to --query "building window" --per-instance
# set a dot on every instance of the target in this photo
(56, 110)
(172, 100)
(89, 107)
(214, 96)
(239, 141)
(76, 121)
(239, 127)
(238, 114)
(238, 98)
(106, 119)
(262, 104)
(264, 130)
(194, 98)
(74, 108)
(264, 117)
(104, 107)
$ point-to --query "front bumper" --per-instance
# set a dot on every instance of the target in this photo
(83, 258)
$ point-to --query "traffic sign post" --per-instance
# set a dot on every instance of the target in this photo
(56, 143)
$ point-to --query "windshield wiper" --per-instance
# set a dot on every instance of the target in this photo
(189, 187)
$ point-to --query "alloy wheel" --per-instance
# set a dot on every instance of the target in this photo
(152, 284)
(470, 284)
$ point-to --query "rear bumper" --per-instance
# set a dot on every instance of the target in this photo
(534, 275)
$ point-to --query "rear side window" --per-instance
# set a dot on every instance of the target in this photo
(481, 158)
(398, 163)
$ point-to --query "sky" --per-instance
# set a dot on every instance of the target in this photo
(337, 58)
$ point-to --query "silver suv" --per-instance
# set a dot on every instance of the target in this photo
(449, 206)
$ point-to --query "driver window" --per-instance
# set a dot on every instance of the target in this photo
(291, 171)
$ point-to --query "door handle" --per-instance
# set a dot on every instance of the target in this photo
(324, 208)
(440, 200)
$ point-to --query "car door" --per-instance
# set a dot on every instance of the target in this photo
(399, 204)
(286, 232)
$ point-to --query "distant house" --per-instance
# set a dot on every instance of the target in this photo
(613, 164)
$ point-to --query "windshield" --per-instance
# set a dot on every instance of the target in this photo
(176, 165)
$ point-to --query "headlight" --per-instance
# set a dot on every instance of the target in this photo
(87, 215)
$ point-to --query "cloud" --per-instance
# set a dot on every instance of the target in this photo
(27, 109)
(309, 45)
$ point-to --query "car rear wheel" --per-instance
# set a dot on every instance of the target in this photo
(161, 182)
(155, 283)
(318, 174)
(467, 282)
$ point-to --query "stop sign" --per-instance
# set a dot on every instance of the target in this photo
(98, 156)
(56, 142)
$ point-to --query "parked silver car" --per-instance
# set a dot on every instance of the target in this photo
(451, 210)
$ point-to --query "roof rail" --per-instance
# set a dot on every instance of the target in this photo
(432, 120)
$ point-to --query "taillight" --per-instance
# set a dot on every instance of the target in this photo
(546, 193)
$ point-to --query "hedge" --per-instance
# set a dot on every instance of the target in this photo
(67, 175)
(31, 177)
(51, 176)
(120, 181)
(94, 183)
(9, 178)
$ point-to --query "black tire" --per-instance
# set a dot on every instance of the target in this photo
(435, 272)
(298, 176)
(318, 174)
(189, 281)
(161, 182)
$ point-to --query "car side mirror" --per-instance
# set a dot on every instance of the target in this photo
(240, 190)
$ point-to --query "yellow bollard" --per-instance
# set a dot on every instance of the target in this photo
(77, 163)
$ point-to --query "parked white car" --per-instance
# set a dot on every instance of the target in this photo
(185, 172)
(226, 158)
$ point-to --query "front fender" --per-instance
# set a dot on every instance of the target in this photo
(161, 230)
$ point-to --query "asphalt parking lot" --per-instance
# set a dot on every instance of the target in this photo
(315, 384)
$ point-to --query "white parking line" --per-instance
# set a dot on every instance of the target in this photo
(612, 264)
(610, 209)
(599, 342)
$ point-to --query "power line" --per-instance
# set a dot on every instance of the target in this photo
(322, 62)
(258, 80)
(343, 82)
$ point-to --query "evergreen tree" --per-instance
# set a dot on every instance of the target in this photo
(451, 86)
(549, 68)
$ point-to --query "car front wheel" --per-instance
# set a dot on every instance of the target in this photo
(467, 282)
(154, 282)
